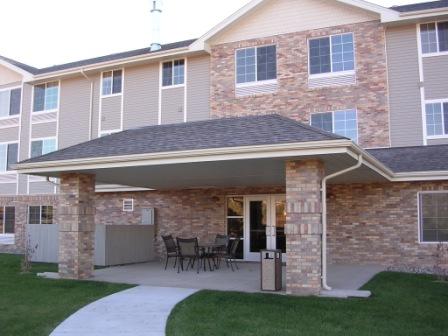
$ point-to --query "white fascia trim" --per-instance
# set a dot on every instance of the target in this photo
(420, 176)
(110, 188)
(25, 74)
(202, 155)
(385, 13)
(421, 15)
(115, 63)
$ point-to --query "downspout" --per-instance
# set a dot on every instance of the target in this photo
(91, 103)
(324, 217)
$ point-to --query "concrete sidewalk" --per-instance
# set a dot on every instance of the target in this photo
(138, 311)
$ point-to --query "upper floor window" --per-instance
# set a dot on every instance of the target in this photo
(10, 102)
(340, 122)
(433, 210)
(437, 119)
(46, 97)
(434, 37)
(256, 64)
(8, 156)
(112, 82)
(173, 73)
(41, 214)
(42, 147)
(331, 54)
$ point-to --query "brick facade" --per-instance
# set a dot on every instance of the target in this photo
(378, 224)
(294, 99)
(76, 214)
(303, 227)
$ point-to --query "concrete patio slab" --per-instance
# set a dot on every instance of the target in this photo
(137, 311)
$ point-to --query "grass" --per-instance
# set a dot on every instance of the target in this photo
(30, 305)
(402, 304)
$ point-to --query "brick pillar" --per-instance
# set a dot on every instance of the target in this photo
(303, 226)
(76, 225)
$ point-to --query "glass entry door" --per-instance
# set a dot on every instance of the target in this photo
(265, 219)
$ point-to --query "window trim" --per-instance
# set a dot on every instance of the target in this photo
(122, 83)
(331, 73)
(40, 214)
(173, 86)
(333, 121)
(434, 101)
(3, 223)
(42, 139)
(50, 110)
(256, 82)
(8, 117)
(431, 54)
(7, 143)
(126, 202)
(419, 213)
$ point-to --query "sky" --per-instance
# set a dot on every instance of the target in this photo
(47, 32)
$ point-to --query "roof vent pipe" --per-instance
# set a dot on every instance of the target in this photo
(156, 13)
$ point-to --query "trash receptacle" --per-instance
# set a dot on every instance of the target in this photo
(271, 270)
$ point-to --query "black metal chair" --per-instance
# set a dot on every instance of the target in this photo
(221, 251)
(171, 249)
(231, 255)
(188, 249)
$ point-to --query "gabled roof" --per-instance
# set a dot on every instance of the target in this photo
(18, 67)
(385, 13)
(209, 134)
(413, 159)
(421, 6)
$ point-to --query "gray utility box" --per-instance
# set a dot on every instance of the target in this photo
(271, 270)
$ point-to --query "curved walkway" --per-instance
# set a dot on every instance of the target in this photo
(138, 311)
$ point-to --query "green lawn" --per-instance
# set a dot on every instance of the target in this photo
(30, 305)
(402, 304)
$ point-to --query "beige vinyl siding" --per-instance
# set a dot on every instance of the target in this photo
(288, 16)
(23, 184)
(436, 77)
(10, 85)
(443, 141)
(10, 134)
(404, 92)
(141, 96)
(111, 113)
(44, 130)
(24, 145)
(8, 188)
(43, 187)
(172, 105)
(7, 76)
(198, 88)
(74, 112)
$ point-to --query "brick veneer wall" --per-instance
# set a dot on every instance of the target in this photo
(293, 97)
(21, 204)
(378, 223)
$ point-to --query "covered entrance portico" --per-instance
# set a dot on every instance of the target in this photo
(289, 216)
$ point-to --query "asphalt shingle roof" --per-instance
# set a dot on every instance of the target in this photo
(90, 61)
(413, 159)
(214, 133)
(421, 6)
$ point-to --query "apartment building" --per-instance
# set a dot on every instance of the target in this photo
(374, 79)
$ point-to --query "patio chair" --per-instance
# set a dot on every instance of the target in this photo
(231, 255)
(171, 249)
(220, 252)
(188, 249)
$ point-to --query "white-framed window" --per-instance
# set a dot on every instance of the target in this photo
(173, 73)
(42, 146)
(433, 217)
(434, 37)
(331, 54)
(112, 82)
(8, 156)
(46, 97)
(343, 122)
(256, 64)
(7, 220)
(10, 102)
(40, 214)
(436, 114)
(235, 221)
(128, 204)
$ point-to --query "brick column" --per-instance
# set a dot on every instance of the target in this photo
(303, 226)
(76, 226)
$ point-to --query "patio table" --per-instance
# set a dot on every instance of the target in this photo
(206, 249)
